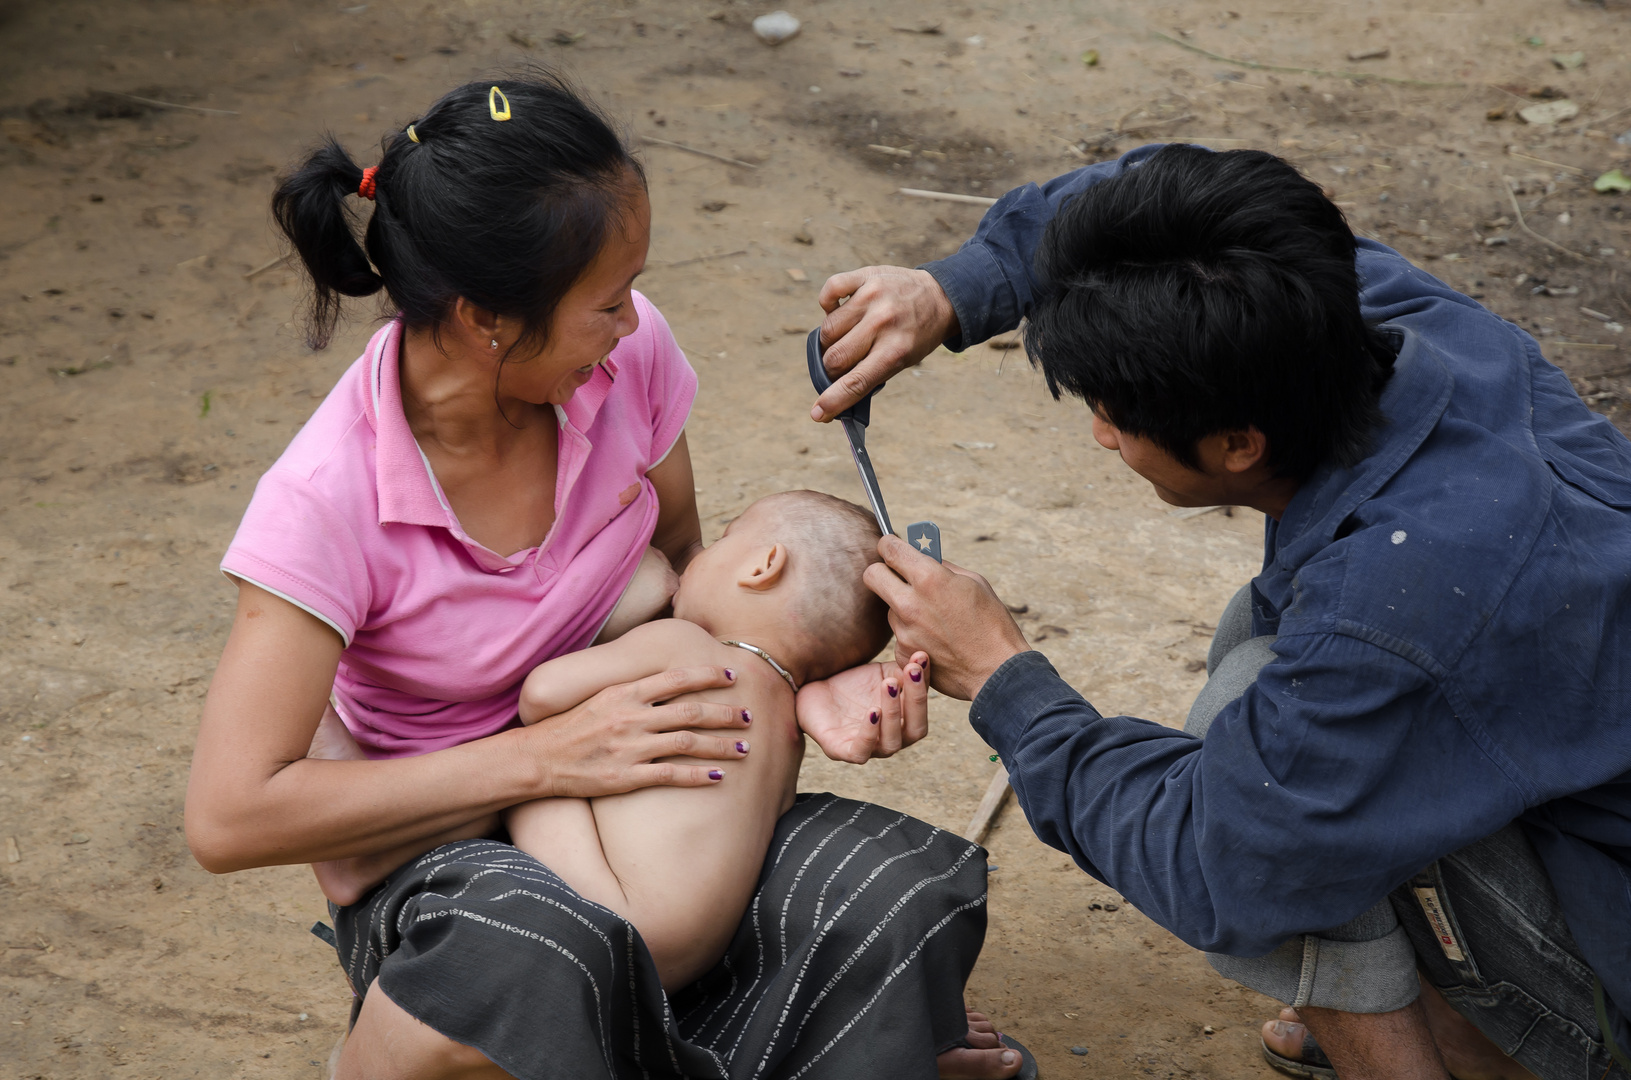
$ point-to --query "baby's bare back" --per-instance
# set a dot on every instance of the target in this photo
(680, 863)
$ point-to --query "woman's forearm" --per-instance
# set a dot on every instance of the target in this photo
(315, 811)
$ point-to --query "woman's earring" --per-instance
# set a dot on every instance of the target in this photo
(495, 343)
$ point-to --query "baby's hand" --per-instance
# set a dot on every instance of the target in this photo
(647, 596)
(868, 711)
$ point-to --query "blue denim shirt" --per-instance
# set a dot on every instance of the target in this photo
(1453, 651)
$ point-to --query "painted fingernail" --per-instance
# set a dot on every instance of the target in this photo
(729, 674)
(1009, 1057)
(873, 716)
(715, 774)
(741, 747)
(747, 717)
(916, 674)
(894, 691)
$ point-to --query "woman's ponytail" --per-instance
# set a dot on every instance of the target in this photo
(310, 208)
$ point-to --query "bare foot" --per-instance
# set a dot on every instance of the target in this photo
(985, 1057)
(1285, 1036)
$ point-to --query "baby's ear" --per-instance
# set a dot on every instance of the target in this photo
(764, 572)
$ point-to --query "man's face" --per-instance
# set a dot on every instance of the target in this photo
(1174, 482)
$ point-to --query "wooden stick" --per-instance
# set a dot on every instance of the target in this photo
(703, 258)
(1357, 76)
(1524, 225)
(167, 104)
(274, 264)
(947, 196)
(653, 140)
(1542, 161)
(990, 806)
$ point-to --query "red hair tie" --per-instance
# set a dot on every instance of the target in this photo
(366, 188)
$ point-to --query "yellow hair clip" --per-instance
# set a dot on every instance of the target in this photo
(494, 96)
(411, 136)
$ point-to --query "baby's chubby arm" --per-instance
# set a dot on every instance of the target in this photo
(649, 649)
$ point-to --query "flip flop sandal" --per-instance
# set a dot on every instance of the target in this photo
(1027, 1063)
(1313, 1066)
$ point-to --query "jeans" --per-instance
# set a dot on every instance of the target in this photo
(1482, 925)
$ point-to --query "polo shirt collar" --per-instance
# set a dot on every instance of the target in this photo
(402, 476)
(407, 487)
(1412, 403)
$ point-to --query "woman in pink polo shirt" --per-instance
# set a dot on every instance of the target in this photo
(473, 498)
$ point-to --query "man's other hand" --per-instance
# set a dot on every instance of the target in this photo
(894, 317)
(950, 613)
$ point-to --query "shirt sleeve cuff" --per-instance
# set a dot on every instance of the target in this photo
(974, 282)
(1025, 687)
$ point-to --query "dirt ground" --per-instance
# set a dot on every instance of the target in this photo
(148, 379)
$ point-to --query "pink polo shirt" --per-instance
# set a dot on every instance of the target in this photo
(351, 525)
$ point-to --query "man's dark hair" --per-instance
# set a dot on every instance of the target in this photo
(1202, 292)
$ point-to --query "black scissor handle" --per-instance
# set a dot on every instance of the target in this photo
(862, 410)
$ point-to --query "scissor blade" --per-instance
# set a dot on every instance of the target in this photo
(855, 432)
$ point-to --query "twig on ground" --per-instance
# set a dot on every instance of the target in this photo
(990, 806)
(1355, 76)
(1506, 186)
(273, 265)
(1542, 161)
(701, 258)
(653, 140)
(948, 196)
(1583, 345)
(167, 104)
(1197, 511)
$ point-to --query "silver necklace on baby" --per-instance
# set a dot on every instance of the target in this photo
(767, 658)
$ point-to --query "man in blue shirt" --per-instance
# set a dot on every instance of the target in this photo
(1417, 730)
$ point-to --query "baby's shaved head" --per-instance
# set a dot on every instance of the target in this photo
(830, 542)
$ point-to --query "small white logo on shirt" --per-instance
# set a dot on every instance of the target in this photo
(1399, 536)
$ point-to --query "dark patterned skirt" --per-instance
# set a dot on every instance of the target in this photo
(850, 962)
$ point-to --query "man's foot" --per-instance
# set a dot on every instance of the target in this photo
(1288, 1039)
(985, 1057)
(1467, 1052)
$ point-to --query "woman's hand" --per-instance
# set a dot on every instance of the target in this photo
(868, 711)
(894, 317)
(610, 743)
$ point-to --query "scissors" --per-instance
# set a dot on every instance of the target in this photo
(923, 535)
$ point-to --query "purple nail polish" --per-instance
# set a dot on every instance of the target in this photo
(715, 774)
(873, 716)
(894, 691)
(729, 674)
(747, 717)
(741, 747)
(917, 676)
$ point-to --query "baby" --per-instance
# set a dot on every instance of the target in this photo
(779, 600)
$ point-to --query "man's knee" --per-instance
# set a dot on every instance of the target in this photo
(1366, 965)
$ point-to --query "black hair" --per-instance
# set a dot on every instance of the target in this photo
(505, 213)
(1198, 292)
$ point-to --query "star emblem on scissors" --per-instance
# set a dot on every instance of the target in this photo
(924, 543)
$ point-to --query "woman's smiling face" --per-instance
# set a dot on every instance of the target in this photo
(592, 317)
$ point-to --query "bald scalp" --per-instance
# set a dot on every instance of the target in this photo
(830, 542)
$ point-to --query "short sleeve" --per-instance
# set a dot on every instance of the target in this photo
(295, 544)
(672, 386)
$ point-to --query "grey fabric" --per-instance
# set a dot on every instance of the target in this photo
(1234, 627)
(1366, 965)
(1234, 673)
